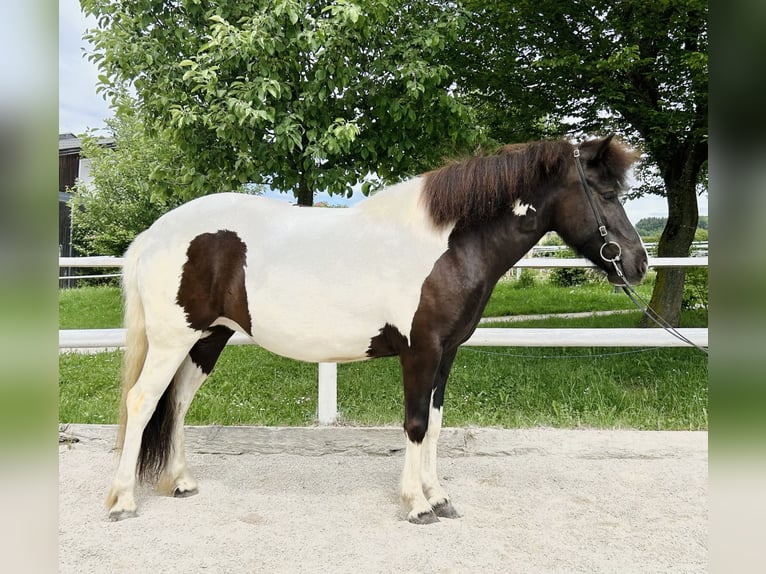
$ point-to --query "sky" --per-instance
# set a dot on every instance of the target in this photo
(81, 108)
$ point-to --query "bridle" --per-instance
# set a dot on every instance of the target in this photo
(616, 261)
(599, 219)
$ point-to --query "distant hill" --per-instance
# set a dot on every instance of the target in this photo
(653, 226)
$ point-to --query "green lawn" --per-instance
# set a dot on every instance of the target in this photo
(508, 387)
(90, 308)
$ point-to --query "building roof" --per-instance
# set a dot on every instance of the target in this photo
(70, 144)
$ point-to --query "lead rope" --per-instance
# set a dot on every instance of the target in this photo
(653, 315)
(627, 289)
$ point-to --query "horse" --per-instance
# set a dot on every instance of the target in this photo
(406, 272)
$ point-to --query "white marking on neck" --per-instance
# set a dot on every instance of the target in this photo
(521, 209)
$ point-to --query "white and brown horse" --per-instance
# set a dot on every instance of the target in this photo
(406, 272)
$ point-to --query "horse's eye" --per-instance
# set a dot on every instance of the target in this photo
(609, 195)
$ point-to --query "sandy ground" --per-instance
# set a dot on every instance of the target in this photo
(325, 500)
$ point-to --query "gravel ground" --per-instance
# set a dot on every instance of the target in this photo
(325, 500)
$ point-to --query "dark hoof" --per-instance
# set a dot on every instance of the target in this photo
(118, 515)
(178, 493)
(444, 509)
(427, 517)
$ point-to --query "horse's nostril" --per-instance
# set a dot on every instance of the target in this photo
(644, 266)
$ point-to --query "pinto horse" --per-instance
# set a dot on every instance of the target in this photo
(405, 272)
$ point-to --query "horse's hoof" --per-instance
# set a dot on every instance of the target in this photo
(117, 515)
(425, 517)
(444, 509)
(181, 493)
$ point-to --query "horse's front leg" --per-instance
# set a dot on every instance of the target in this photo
(418, 372)
(436, 495)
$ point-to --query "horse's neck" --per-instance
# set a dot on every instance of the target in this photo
(505, 242)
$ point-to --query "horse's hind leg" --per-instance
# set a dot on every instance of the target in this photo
(160, 365)
(176, 480)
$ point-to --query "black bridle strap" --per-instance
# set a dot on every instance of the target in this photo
(589, 195)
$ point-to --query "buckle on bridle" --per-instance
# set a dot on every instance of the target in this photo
(602, 230)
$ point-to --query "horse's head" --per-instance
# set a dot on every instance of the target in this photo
(590, 204)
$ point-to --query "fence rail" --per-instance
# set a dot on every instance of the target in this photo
(104, 339)
(528, 262)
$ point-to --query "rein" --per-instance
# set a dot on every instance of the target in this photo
(615, 261)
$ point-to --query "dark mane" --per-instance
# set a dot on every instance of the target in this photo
(478, 189)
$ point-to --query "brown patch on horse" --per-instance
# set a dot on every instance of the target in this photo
(205, 352)
(213, 281)
(387, 343)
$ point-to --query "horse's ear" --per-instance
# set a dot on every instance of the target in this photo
(603, 146)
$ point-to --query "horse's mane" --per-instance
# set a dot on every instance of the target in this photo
(478, 189)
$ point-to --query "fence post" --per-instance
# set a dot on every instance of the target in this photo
(327, 406)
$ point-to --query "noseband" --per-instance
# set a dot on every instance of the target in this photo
(599, 219)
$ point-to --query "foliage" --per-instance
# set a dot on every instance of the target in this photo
(302, 95)
(637, 68)
(119, 202)
(653, 226)
(696, 288)
(554, 67)
(526, 279)
(568, 276)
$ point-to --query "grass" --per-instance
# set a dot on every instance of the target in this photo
(90, 308)
(507, 387)
(544, 298)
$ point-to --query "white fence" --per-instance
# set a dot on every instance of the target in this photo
(103, 339)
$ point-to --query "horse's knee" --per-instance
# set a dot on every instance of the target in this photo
(416, 428)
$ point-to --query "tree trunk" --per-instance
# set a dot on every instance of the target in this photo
(304, 193)
(680, 177)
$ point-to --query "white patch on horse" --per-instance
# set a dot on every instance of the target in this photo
(521, 209)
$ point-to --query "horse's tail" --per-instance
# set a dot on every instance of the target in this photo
(156, 438)
(136, 343)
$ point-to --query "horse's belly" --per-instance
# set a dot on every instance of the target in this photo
(317, 319)
(310, 349)
(315, 335)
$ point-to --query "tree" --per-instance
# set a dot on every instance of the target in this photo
(549, 67)
(118, 202)
(302, 95)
